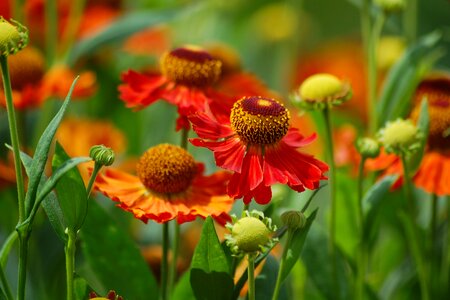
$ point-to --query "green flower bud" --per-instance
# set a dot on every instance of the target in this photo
(102, 155)
(400, 136)
(13, 37)
(368, 147)
(293, 219)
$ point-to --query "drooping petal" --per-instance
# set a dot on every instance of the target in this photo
(140, 90)
(208, 128)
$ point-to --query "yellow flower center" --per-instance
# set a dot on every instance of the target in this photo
(166, 169)
(320, 87)
(250, 234)
(400, 133)
(259, 120)
(192, 67)
(26, 67)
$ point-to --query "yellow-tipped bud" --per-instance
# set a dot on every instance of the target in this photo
(13, 37)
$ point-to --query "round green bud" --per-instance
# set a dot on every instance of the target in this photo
(400, 136)
(13, 37)
(293, 219)
(320, 87)
(102, 155)
(368, 147)
(250, 234)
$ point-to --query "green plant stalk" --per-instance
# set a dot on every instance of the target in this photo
(7, 246)
(410, 21)
(175, 251)
(69, 250)
(372, 73)
(278, 283)
(5, 284)
(433, 270)
(24, 236)
(362, 255)
(415, 247)
(445, 263)
(76, 12)
(51, 18)
(94, 174)
(251, 276)
(164, 262)
(332, 183)
(14, 136)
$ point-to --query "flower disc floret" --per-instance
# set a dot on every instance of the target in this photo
(400, 136)
(13, 37)
(191, 67)
(166, 169)
(260, 121)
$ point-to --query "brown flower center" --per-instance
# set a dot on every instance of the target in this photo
(25, 67)
(166, 169)
(191, 67)
(437, 91)
(259, 120)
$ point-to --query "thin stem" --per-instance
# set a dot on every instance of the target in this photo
(69, 250)
(24, 235)
(276, 291)
(361, 271)
(164, 262)
(184, 138)
(410, 21)
(14, 136)
(415, 247)
(7, 246)
(76, 12)
(445, 263)
(97, 168)
(5, 284)
(251, 276)
(175, 250)
(332, 183)
(51, 18)
(432, 241)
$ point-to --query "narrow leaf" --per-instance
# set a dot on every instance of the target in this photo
(41, 154)
(209, 275)
(266, 280)
(71, 191)
(296, 246)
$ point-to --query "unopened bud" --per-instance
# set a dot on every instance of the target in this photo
(368, 147)
(293, 219)
(13, 37)
(102, 155)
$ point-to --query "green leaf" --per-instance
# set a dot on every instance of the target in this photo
(2, 294)
(209, 275)
(183, 288)
(81, 288)
(266, 280)
(114, 257)
(404, 76)
(423, 123)
(120, 29)
(37, 167)
(296, 246)
(71, 191)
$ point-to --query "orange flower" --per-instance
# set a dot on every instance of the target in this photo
(169, 185)
(96, 17)
(151, 41)
(433, 174)
(88, 133)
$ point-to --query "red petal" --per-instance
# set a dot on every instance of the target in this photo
(208, 128)
(294, 139)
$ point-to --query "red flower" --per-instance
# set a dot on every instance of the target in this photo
(258, 145)
(169, 185)
(186, 80)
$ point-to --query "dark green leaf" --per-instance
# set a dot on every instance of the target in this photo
(37, 167)
(210, 278)
(296, 246)
(266, 280)
(183, 288)
(404, 77)
(81, 289)
(71, 191)
(114, 257)
(2, 294)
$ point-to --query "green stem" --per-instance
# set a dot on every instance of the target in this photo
(251, 276)
(18, 10)
(445, 263)
(432, 241)
(276, 291)
(76, 12)
(69, 250)
(332, 183)
(246, 207)
(24, 235)
(175, 250)
(184, 138)
(361, 271)
(14, 136)
(410, 21)
(5, 284)
(51, 17)
(94, 174)
(164, 262)
(7, 246)
(414, 240)
(372, 73)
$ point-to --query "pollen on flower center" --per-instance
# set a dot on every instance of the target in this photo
(259, 120)
(26, 67)
(166, 169)
(192, 67)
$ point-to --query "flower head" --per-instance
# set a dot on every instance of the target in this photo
(322, 90)
(259, 146)
(250, 234)
(368, 147)
(169, 185)
(13, 37)
(400, 136)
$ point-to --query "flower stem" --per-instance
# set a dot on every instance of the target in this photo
(410, 21)
(5, 284)
(276, 291)
(175, 250)
(24, 235)
(332, 183)
(414, 236)
(14, 136)
(445, 263)
(51, 18)
(251, 276)
(164, 262)
(69, 250)
(76, 12)
(362, 255)
(97, 168)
